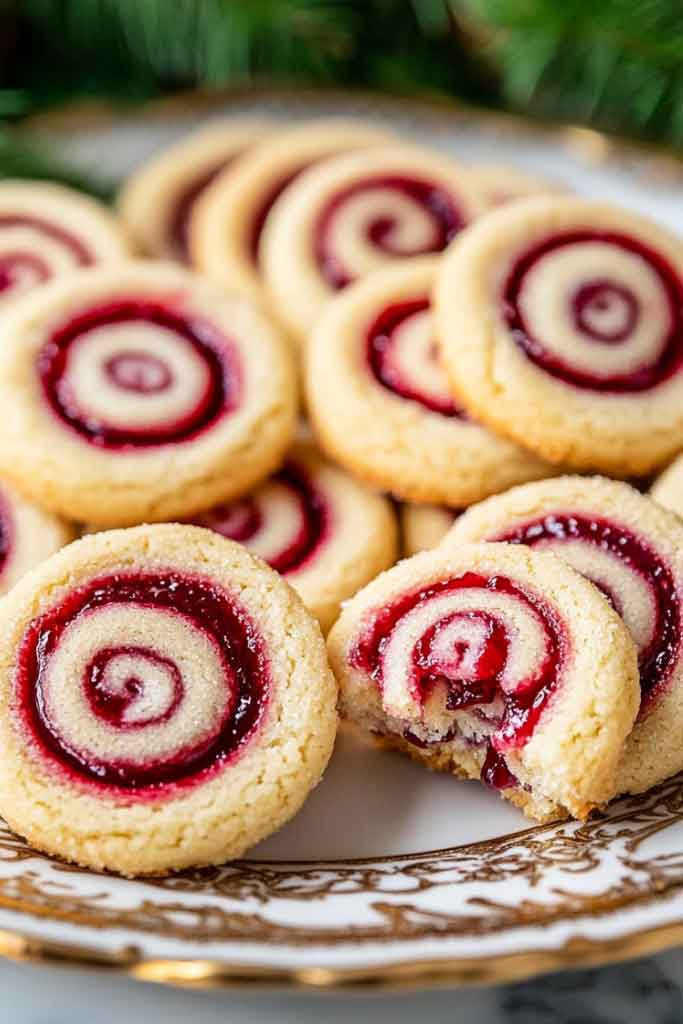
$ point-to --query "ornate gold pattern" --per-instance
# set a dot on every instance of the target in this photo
(527, 856)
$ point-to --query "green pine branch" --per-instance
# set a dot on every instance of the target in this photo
(616, 63)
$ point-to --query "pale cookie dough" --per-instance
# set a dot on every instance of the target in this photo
(165, 701)
(157, 200)
(47, 230)
(632, 550)
(28, 536)
(502, 183)
(141, 392)
(357, 213)
(423, 527)
(325, 532)
(561, 326)
(493, 661)
(667, 489)
(379, 401)
(227, 224)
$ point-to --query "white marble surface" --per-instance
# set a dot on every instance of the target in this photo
(645, 990)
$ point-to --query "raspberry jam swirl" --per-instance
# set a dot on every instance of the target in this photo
(136, 373)
(633, 576)
(598, 310)
(381, 218)
(32, 250)
(404, 358)
(140, 683)
(181, 211)
(285, 522)
(485, 648)
(7, 535)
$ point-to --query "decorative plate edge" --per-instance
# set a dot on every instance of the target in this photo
(578, 952)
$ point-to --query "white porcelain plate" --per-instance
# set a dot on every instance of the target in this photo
(389, 875)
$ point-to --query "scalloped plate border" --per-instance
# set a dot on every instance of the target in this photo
(42, 893)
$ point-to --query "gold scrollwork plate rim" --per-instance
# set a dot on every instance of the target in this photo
(578, 952)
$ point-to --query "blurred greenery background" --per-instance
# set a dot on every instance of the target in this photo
(615, 64)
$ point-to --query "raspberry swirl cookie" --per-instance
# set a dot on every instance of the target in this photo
(357, 213)
(494, 662)
(28, 536)
(157, 200)
(141, 393)
(46, 230)
(423, 527)
(561, 325)
(380, 403)
(227, 224)
(325, 532)
(165, 701)
(632, 550)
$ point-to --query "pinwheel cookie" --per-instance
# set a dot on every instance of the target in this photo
(356, 213)
(141, 392)
(165, 701)
(380, 404)
(497, 662)
(227, 224)
(46, 230)
(561, 326)
(157, 200)
(424, 526)
(632, 550)
(28, 536)
(325, 532)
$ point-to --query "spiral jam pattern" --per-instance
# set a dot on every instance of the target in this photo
(137, 682)
(284, 522)
(179, 216)
(598, 310)
(404, 358)
(7, 528)
(476, 644)
(33, 249)
(135, 373)
(635, 579)
(386, 217)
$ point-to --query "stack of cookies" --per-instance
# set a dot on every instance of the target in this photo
(293, 357)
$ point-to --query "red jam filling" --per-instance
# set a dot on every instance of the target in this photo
(6, 533)
(141, 372)
(658, 659)
(112, 706)
(434, 200)
(587, 301)
(241, 520)
(380, 342)
(209, 610)
(16, 267)
(495, 773)
(521, 708)
(80, 252)
(179, 222)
